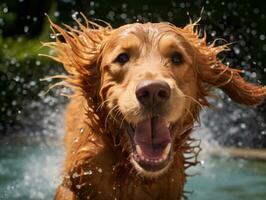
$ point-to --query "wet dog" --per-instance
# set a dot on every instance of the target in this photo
(138, 91)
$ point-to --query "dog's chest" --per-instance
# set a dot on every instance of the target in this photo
(101, 179)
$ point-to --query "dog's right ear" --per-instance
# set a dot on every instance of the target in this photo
(79, 51)
(214, 73)
(230, 81)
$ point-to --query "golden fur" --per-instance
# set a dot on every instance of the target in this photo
(98, 163)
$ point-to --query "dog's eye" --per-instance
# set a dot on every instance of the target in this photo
(176, 58)
(122, 58)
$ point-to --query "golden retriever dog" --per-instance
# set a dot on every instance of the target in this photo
(138, 90)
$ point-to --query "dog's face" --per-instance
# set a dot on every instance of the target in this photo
(147, 77)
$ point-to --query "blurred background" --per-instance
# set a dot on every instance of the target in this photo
(31, 125)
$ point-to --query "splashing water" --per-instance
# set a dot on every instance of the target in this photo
(30, 167)
(31, 162)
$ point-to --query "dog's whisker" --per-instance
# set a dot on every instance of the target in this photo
(121, 124)
(190, 113)
(194, 100)
(108, 114)
(102, 104)
(116, 113)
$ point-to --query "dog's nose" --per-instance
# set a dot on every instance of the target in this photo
(152, 92)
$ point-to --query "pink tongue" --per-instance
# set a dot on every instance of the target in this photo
(152, 135)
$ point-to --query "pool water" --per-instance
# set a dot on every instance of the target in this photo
(30, 169)
(229, 179)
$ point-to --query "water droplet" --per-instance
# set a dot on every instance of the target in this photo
(56, 14)
(256, 10)
(253, 32)
(213, 33)
(38, 62)
(81, 130)
(253, 75)
(14, 103)
(123, 16)
(75, 175)
(76, 139)
(88, 173)
(111, 15)
(26, 29)
(182, 5)
(92, 3)
(74, 15)
(5, 10)
(92, 12)
(100, 170)
(262, 37)
(243, 125)
(53, 36)
(236, 50)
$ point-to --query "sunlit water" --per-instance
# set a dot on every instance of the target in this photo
(30, 169)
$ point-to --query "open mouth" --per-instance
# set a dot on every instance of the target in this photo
(151, 143)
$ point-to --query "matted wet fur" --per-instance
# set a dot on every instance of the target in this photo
(116, 134)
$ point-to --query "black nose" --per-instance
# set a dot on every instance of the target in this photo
(152, 92)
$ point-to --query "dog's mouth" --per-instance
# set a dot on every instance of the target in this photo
(151, 144)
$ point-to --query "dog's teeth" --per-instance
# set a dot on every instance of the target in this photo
(167, 124)
(166, 151)
(139, 155)
(138, 149)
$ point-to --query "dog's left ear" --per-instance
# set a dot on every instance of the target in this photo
(79, 52)
(212, 71)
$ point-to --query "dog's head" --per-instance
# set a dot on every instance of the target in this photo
(152, 80)
(149, 82)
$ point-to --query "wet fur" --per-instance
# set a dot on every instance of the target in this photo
(97, 164)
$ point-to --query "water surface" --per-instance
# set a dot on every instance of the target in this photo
(30, 169)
